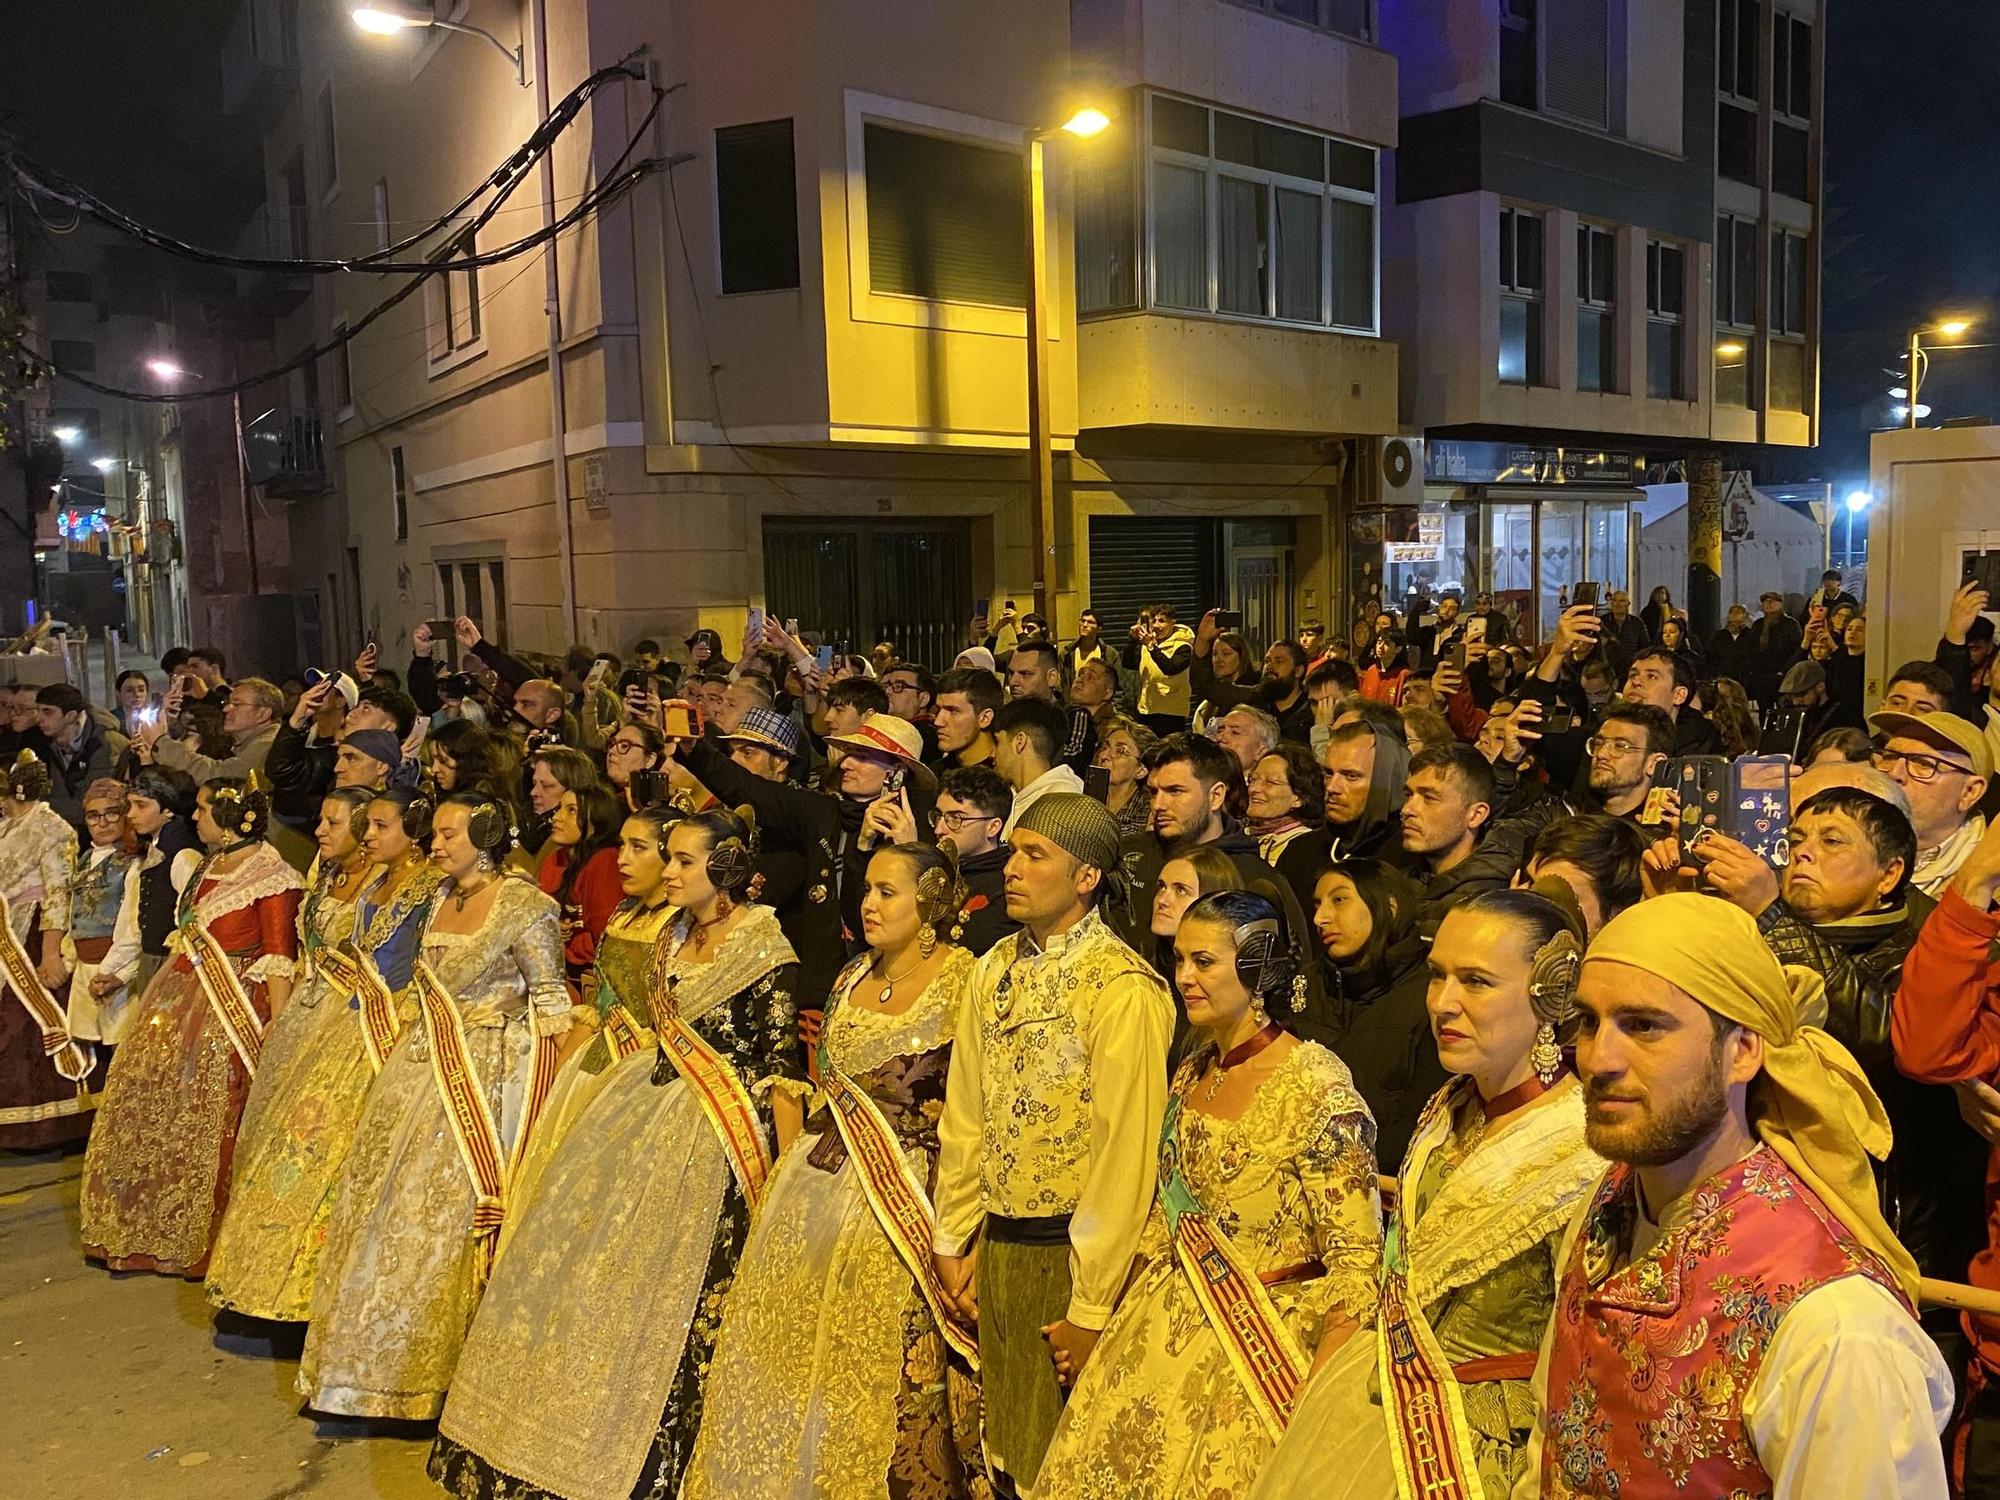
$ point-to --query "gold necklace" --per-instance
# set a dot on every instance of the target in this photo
(460, 894)
(890, 981)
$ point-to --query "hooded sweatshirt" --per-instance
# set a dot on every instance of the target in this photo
(1378, 832)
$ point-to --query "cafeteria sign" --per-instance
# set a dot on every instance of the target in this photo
(1447, 461)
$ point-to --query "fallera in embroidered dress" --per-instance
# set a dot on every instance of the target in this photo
(623, 954)
(95, 893)
(829, 1377)
(305, 1105)
(156, 1174)
(38, 1106)
(582, 1376)
(399, 1277)
(1489, 1210)
(1159, 1410)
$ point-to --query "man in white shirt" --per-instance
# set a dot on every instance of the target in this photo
(1732, 1314)
(1028, 736)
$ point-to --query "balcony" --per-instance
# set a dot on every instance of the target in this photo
(270, 233)
(260, 59)
(285, 450)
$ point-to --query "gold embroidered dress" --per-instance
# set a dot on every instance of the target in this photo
(38, 1106)
(399, 1279)
(1159, 1410)
(1489, 1205)
(582, 1375)
(620, 984)
(305, 1105)
(829, 1375)
(156, 1175)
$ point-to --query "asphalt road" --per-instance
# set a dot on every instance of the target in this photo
(120, 1386)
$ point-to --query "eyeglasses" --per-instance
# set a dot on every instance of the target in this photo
(1598, 742)
(106, 815)
(1921, 767)
(897, 685)
(954, 822)
(618, 746)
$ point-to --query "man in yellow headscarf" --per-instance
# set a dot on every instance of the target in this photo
(1732, 1314)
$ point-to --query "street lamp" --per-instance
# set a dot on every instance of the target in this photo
(166, 369)
(1949, 328)
(65, 435)
(1857, 502)
(388, 17)
(162, 368)
(1082, 124)
(104, 465)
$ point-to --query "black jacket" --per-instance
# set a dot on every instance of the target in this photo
(1695, 734)
(300, 773)
(985, 910)
(1492, 863)
(1379, 1027)
(1733, 656)
(72, 771)
(795, 825)
(1931, 1185)
(1774, 643)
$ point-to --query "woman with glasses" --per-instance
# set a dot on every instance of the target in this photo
(1497, 1169)
(96, 892)
(1121, 752)
(156, 1176)
(636, 747)
(1287, 808)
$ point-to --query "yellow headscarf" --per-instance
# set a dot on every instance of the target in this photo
(1812, 1104)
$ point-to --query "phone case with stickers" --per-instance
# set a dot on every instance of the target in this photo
(1760, 806)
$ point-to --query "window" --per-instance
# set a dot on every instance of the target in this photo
(1788, 282)
(1520, 297)
(455, 301)
(1666, 292)
(478, 590)
(1107, 231)
(1735, 271)
(1736, 143)
(1576, 62)
(1791, 66)
(1788, 375)
(1732, 368)
(1293, 236)
(399, 499)
(1519, 70)
(343, 373)
(944, 219)
(383, 234)
(1736, 48)
(329, 146)
(1596, 325)
(1344, 17)
(74, 356)
(757, 207)
(69, 286)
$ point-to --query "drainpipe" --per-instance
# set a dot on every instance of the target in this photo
(552, 298)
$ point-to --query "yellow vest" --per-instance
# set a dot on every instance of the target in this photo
(1161, 692)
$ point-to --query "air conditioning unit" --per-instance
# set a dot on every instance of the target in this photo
(1399, 470)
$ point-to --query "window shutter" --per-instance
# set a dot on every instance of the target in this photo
(1576, 60)
(756, 207)
(1141, 560)
(944, 219)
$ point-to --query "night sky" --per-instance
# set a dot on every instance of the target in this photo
(1912, 171)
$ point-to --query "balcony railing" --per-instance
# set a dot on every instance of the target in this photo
(286, 452)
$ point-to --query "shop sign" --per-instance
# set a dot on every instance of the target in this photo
(1451, 461)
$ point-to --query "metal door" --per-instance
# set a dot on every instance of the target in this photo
(1260, 585)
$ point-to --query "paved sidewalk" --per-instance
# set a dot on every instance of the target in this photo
(121, 1386)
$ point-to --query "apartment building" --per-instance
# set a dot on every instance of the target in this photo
(1602, 260)
(794, 364)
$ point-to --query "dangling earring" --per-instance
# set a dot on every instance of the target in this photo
(926, 940)
(1545, 1056)
(484, 862)
(723, 905)
(1298, 993)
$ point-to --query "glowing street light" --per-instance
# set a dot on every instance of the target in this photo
(389, 17)
(166, 369)
(1858, 500)
(65, 435)
(1087, 122)
(104, 465)
(1949, 328)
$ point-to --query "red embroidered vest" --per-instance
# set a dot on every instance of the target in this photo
(1649, 1366)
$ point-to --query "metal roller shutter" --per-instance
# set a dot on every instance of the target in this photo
(1141, 560)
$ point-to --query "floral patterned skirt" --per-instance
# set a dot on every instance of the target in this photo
(156, 1175)
(297, 1128)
